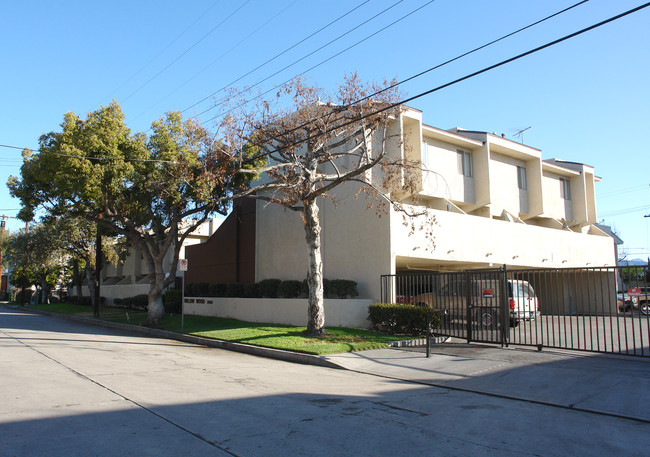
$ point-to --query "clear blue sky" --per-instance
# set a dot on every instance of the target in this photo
(586, 100)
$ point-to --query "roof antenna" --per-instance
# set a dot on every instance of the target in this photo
(520, 133)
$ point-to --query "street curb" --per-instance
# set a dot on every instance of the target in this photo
(418, 342)
(278, 354)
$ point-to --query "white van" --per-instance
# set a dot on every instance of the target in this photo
(451, 300)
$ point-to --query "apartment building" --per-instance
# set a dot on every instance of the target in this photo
(490, 201)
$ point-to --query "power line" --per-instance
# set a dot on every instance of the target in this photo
(56, 154)
(411, 77)
(323, 61)
(186, 51)
(471, 75)
(168, 45)
(622, 191)
(282, 53)
(271, 19)
(438, 88)
(625, 211)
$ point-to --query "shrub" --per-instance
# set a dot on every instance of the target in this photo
(201, 289)
(343, 288)
(235, 289)
(172, 301)
(289, 289)
(251, 290)
(136, 302)
(217, 290)
(118, 302)
(269, 287)
(401, 319)
(327, 288)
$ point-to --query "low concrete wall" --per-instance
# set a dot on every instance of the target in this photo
(338, 312)
(115, 291)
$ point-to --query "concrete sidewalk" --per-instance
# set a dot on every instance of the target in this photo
(604, 384)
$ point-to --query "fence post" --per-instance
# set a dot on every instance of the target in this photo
(468, 305)
(505, 308)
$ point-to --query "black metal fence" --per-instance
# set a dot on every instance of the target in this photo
(602, 309)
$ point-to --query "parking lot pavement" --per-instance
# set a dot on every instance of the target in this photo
(606, 384)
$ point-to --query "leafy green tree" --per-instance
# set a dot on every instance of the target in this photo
(153, 191)
(78, 242)
(35, 258)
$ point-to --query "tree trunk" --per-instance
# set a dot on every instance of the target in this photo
(90, 276)
(316, 308)
(45, 292)
(78, 280)
(156, 310)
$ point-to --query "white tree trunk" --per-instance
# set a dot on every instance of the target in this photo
(316, 308)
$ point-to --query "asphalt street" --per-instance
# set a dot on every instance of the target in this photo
(71, 389)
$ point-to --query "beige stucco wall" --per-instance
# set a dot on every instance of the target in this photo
(355, 242)
(471, 240)
(338, 313)
(504, 190)
(554, 205)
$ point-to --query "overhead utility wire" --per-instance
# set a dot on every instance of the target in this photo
(438, 88)
(312, 67)
(471, 75)
(279, 54)
(271, 19)
(411, 77)
(88, 158)
(168, 45)
(186, 51)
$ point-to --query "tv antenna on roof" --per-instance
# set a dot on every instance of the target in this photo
(520, 133)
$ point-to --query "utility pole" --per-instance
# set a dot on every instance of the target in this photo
(3, 284)
(98, 268)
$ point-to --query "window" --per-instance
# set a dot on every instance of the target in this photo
(565, 188)
(465, 166)
(521, 178)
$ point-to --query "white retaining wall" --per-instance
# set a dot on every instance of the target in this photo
(338, 312)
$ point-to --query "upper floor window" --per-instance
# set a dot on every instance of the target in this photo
(425, 154)
(521, 178)
(465, 165)
(565, 188)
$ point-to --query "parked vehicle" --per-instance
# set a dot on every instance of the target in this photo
(640, 298)
(451, 301)
(626, 302)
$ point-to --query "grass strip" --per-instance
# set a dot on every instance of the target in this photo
(286, 337)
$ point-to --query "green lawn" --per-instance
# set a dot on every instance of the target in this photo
(335, 339)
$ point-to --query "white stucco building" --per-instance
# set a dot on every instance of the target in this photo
(130, 276)
(494, 201)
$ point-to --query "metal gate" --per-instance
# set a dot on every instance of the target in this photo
(602, 309)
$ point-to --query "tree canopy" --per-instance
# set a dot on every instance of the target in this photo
(141, 187)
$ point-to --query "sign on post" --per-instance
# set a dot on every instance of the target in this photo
(182, 264)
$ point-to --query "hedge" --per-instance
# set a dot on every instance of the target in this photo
(269, 288)
(397, 318)
(290, 289)
(272, 288)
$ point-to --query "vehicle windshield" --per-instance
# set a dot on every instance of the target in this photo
(523, 290)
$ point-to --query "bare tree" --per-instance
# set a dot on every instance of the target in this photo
(315, 143)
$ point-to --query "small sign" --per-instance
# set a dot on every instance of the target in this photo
(182, 264)
(488, 293)
(634, 292)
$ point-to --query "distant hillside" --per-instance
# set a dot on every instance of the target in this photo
(633, 262)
